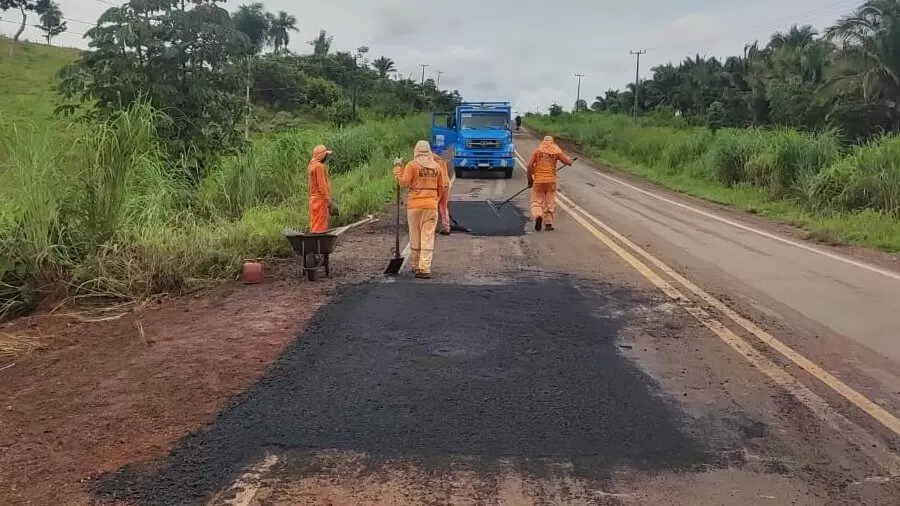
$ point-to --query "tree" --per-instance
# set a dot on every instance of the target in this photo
(322, 43)
(51, 22)
(184, 63)
(555, 110)
(384, 65)
(581, 105)
(868, 56)
(279, 26)
(254, 22)
(24, 6)
(715, 116)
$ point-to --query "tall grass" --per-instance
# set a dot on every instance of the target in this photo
(103, 211)
(811, 170)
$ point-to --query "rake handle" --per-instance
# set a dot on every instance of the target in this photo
(527, 187)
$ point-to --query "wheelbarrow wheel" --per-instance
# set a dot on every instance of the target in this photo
(309, 265)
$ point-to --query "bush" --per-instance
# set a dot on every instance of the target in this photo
(868, 178)
(788, 160)
(104, 211)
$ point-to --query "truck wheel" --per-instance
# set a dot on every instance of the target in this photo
(508, 174)
(459, 173)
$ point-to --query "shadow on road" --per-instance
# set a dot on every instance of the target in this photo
(526, 372)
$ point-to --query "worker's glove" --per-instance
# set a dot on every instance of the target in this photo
(530, 182)
(333, 209)
(398, 162)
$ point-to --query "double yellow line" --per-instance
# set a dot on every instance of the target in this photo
(868, 444)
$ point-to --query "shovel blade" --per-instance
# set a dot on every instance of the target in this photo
(394, 266)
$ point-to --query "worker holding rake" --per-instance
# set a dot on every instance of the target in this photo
(542, 181)
(425, 181)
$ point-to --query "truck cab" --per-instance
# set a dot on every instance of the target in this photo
(478, 136)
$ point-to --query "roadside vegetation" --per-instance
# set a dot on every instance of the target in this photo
(805, 129)
(127, 170)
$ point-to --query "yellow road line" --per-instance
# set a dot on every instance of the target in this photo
(859, 400)
(880, 414)
(869, 445)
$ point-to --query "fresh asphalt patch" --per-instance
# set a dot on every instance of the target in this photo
(441, 375)
(481, 221)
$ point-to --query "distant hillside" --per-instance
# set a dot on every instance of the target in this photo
(28, 80)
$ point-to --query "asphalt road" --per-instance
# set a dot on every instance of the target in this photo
(642, 353)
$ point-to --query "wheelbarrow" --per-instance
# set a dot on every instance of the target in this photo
(314, 248)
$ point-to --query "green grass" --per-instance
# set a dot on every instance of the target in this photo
(28, 81)
(101, 211)
(807, 180)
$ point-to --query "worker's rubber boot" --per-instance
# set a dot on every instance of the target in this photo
(445, 231)
(538, 223)
(423, 275)
(548, 227)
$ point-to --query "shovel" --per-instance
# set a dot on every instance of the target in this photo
(496, 207)
(455, 226)
(397, 262)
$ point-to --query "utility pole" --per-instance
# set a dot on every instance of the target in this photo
(438, 84)
(360, 55)
(423, 65)
(578, 93)
(637, 78)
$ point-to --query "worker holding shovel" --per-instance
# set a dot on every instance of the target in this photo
(425, 181)
(542, 181)
(444, 197)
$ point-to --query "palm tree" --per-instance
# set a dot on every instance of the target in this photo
(384, 65)
(797, 37)
(51, 20)
(868, 54)
(253, 21)
(279, 26)
(322, 43)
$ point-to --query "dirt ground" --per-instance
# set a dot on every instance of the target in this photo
(100, 395)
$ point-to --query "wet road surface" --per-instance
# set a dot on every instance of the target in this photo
(551, 368)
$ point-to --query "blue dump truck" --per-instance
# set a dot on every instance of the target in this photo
(478, 136)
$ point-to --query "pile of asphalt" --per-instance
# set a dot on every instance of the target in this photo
(481, 221)
(527, 372)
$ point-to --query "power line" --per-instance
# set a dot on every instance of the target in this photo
(17, 23)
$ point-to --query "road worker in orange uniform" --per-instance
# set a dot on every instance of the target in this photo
(425, 180)
(542, 181)
(444, 197)
(321, 205)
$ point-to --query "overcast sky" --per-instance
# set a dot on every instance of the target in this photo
(525, 51)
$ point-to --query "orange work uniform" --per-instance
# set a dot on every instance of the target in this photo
(319, 191)
(425, 181)
(542, 173)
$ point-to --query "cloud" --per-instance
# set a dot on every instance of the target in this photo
(692, 28)
(526, 52)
